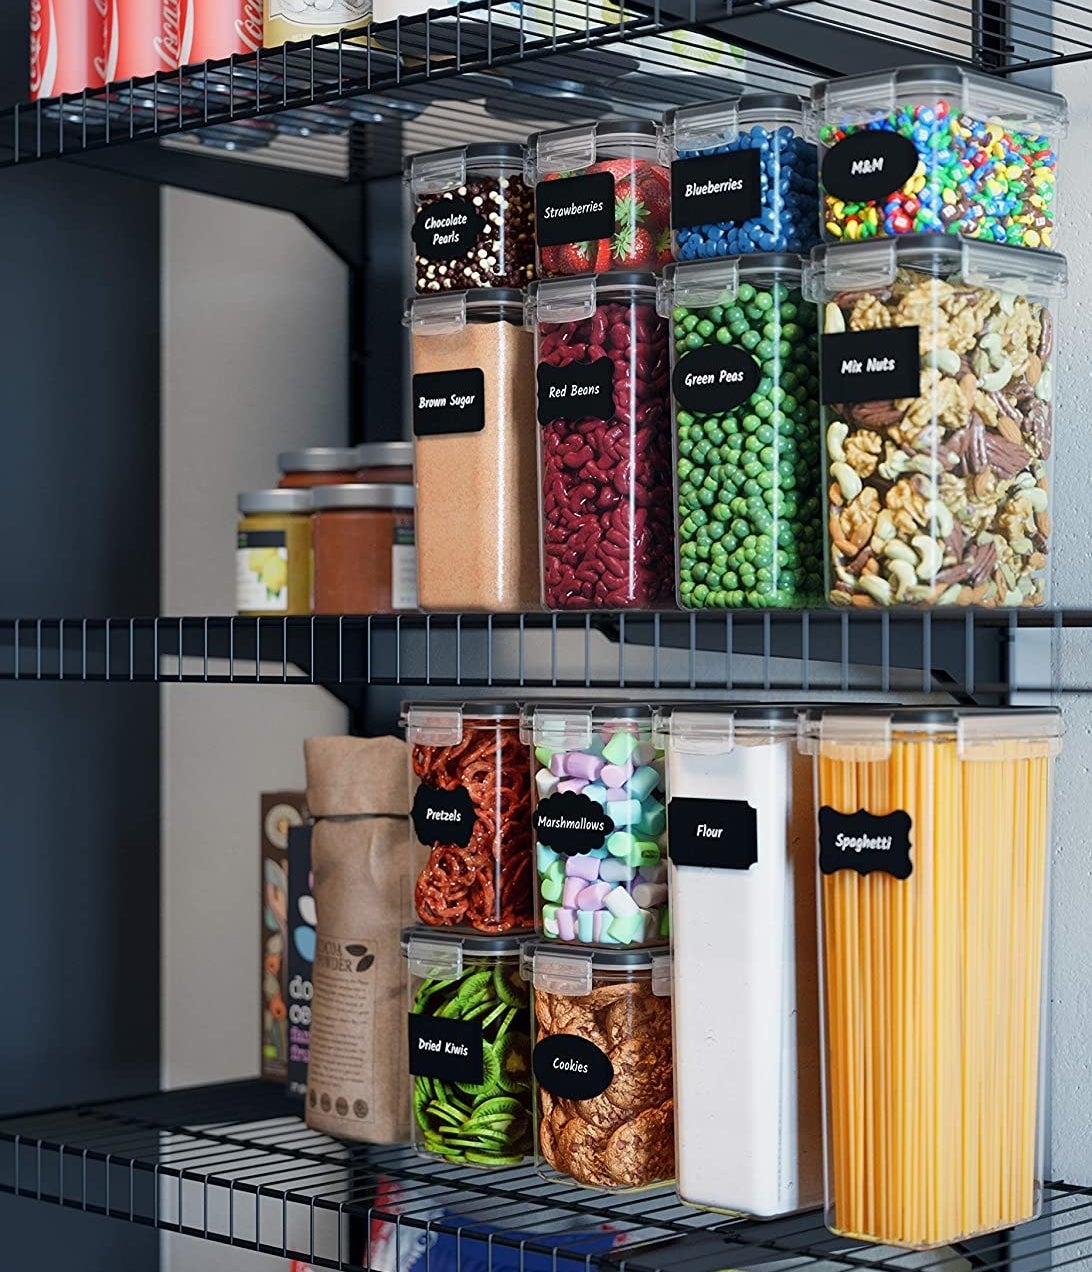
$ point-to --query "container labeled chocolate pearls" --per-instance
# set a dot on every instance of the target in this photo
(937, 380)
(742, 876)
(931, 149)
(604, 1107)
(600, 825)
(745, 396)
(469, 1047)
(473, 218)
(743, 177)
(604, 443)
(602, 198)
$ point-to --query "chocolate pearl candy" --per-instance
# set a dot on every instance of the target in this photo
(503, 254)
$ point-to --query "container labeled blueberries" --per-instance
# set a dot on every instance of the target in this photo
(941, 150)
(602, 198)
(745, 397)
(743, 177)
(473, 218)
(604, 443)
(938, 364)
(600, 825)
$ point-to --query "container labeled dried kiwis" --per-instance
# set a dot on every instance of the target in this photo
(604, 1107)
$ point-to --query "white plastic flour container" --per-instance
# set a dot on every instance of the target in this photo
(742, 886)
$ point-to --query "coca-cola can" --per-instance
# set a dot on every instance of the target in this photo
(66, 46)
(134, 38)
(203, 30)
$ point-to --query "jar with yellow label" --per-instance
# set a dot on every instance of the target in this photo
(273, 552)
(290, 20)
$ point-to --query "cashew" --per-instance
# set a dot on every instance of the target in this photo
(1044, 388)
(928, 465)
(837, 433)
(950, 594)
(1037, 498)
(938, 511)
(848, 481)
(1024, 481)
(1008, 303)
(834, 321)
(1022, 546)
(896, 550)
(930, 554)
(946, 360)
(990, 344)
(879, 589)
(885, 525)
(903, 574)
(996, 380)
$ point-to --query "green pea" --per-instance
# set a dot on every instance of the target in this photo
(705, 328)
(689, 322)
(745, 294)
(749, 339)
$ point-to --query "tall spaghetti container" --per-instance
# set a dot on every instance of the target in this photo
(742, 873)
(933, 852)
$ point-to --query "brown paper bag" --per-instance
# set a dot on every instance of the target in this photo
(358, 1080)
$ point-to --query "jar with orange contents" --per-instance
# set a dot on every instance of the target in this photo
(365, 558)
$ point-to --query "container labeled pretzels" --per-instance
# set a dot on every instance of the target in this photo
(470, 784)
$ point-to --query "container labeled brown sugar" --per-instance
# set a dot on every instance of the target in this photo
(318, 466)
(474, 443)
(365, 559)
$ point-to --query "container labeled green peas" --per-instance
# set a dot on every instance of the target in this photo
(469, 1047)
(745, 399)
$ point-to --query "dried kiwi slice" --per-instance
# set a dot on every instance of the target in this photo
(510, 987)
(499, 1106)
(514, 1053)
(475, 986)
(490, 1083)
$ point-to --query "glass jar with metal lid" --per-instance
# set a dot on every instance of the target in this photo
(385, 461)
(602, 198)
(365, 558)
(273, 552)
(473, 217)
(318, 466)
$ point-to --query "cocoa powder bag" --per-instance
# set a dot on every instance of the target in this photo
(363, 866)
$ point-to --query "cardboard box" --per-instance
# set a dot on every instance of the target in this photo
(281, 810)
(301, 956)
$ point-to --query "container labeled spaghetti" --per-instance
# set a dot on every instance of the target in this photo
(470, 784)
(742, 874)
(469, 1047)
(933, 857)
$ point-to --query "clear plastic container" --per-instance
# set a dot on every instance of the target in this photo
(604, 1112)
(473, 218)
(743, 177)
(470, 783)
(602, 198)
(470, 1047)
(937, 365)
(745, 398)
(742, 873)
(600, 825)
(476, 461)
(937, 149)
(604, 443)
(934, 829)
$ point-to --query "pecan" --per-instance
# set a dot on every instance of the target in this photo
(1046, 336)
(956, 573)
(1006, 458)
(1005, 407)
(1039, 424)
(874, 414)
(956, 540)
(860, 560)
(985, 558)
(970, 445)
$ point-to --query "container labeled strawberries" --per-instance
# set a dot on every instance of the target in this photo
(604, 443)
(602, 198)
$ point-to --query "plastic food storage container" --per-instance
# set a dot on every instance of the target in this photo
(318, 466)
(604, 443)
(365, 559)
(477, 467)
(473, 218)
(386, 461)
(273, 552)
(602, 198)
(604, 1113)
(600, 825)
(937, 365)
(742, 873)
(745, 398)
(940, 150)
(470, 779)
(743, 177)
(933, 852)
(469, 1047)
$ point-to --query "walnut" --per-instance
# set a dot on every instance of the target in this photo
(863, 451)
(858, 518)
(922, 307)
(869, 314)
(986, 407)
(907, 507)
(1020, 333)
(941, 400)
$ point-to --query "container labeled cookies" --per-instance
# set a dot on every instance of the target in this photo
(604, 1110)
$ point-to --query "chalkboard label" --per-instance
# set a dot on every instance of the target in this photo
(580, 391)
(447, 229)
(448, 402)
(864, 842)
(871, 366)
(443, 817)
(571, 1067)
(574, 209)
(715, 379)
(867, 166)
(450, 1050)
(716, 189)
(570, 823)
(718, 833)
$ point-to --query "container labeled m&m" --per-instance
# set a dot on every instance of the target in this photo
(941, 150)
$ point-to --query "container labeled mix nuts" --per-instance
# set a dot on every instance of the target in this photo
(745, 393)
(469, 1047)
(470, 784)
(937, 368)
(604, 443)
(937, 150)
(473, 218)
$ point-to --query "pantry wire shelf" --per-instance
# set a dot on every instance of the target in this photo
(234, 1164)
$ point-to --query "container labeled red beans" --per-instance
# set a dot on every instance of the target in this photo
(604, 443)
(473, 218)
(602, 198)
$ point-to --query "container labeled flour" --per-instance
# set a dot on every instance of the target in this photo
(742, 878)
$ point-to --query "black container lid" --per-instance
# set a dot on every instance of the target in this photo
(771, 101)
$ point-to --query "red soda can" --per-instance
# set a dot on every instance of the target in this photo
(66, 47)
(134, 32)
(201, 30)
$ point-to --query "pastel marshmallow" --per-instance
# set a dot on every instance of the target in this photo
(598, 853)
(614, 870)
(551, 889)
(580, 764)
(544, 754)
(643, 782)
(549, 916)
(620, 747)
(665, 923)
(652, 924)
(620, 843)
(593, 896)
(570, 891)
(600, 922)
(616, 795)
(619, 902)
(549, 926)
(616, 774)
(571, 786)
(654, 874)
(583, 867)
(648, 895)
(625, 812)
(546, 782)
(653, 818)
(557, 763)
(644, 753)
(566, 925)
(627, 928)
(648, 853)
(544, 858)
(585, 925)
(596, 791)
